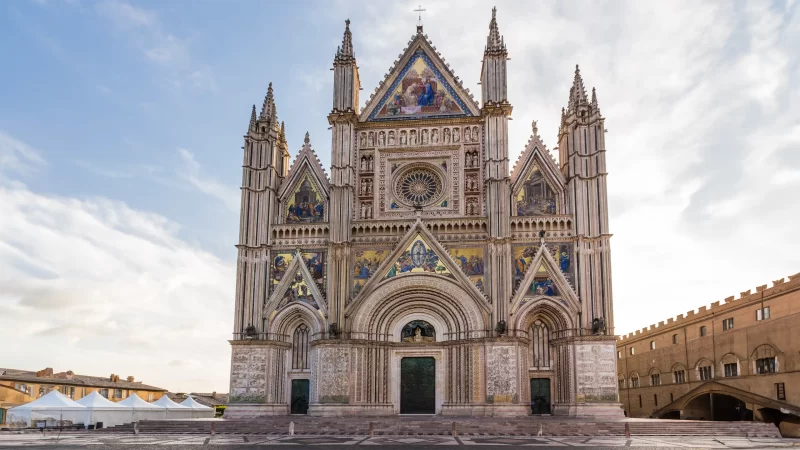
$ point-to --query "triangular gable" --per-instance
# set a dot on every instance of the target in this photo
(544, 279)
(471, 261)
(365, 265)
(306, 160)
(536, 152)
(305, 200)
(296, 285)
(393, 265)
(419, 85)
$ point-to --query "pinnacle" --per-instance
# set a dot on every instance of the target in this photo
(577, 94)
(494, 42)
(307, 140)
(347, 43)
(253, 118)
(268, 107)
(595, 106)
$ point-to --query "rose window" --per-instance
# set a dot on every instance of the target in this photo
(418, 186)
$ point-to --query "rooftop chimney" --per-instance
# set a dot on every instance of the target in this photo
(130, 379)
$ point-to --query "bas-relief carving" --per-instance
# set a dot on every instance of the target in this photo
(333, 373)
(248, 374)
(596, 372)
(501, 375)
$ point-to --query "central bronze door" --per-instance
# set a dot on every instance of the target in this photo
(540, 395)
(417, 386)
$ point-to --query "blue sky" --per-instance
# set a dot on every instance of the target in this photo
(121, 124)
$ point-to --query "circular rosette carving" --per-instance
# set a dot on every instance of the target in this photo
(419, 185)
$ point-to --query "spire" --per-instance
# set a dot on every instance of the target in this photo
(345, 52)
(595, 106)
(494, 42)
(283, 132)
(253, 118)
(577, 93)
(307, 140)
(268, 107)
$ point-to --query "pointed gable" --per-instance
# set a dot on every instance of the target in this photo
(543, 270)
(297, 283)
(537, 186)
(420, 85)
(305, 192)
(418, 257)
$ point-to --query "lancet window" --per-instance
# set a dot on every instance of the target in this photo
(300, 347)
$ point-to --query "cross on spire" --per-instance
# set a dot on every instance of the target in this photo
(419, 11)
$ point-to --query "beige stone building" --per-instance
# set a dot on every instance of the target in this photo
(18, 387)
(425, 275)
(737, 360)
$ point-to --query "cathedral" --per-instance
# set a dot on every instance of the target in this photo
(423, 274)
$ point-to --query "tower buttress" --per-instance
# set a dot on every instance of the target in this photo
(582, 157)
(343, 118)
(263, 169)
(496, 111)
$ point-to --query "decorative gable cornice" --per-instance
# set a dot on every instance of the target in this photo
(298, 265)
(444, 257)
(536, 150)
(543, 258)
(307, 158)
(418, 42)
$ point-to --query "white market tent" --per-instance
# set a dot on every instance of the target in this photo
(103, 410)
(143, 410)
(51, 408)
(174, 410)
(198, 410)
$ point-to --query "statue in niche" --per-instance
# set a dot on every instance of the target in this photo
(371, 139)
(381, 139)
(391, 138)
(412, 138)
(435, 137)
(403, 138)
(424, 137)
(363, 142)
(446, 136)
(466, 134)
(456, 135)
(418, 331)
(475, 134)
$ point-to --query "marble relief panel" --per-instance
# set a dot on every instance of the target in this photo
(596, 372)
(248, 374)
(333, 375)
(501, 374)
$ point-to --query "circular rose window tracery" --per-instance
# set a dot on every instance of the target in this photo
(418, 186)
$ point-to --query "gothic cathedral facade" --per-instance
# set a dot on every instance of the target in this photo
(423, 275)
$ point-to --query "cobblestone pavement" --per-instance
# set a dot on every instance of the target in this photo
(93, 440)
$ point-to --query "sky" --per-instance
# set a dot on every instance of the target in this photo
(121, 129)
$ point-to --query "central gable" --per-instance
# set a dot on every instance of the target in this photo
(419, 86)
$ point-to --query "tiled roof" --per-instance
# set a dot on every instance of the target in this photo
(76, 380)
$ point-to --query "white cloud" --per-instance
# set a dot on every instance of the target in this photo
(94, 286)
(195, 176)
(17, 157)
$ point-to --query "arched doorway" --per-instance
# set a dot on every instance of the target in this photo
(714, 406)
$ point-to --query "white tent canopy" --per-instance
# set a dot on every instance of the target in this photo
(103, 410)
(51, 409)
(143, 410)
(174, 410)
(198, 410)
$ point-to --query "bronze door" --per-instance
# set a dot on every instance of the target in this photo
(300, 390)
(540, 395)
(417, 386)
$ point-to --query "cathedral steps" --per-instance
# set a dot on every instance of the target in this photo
(412, 426)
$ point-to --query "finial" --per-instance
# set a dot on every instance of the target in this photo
(594, 99)
(535, 128)
(283, 131)
(577, 93)
(307, 140)
(253, 118)
(347, 43)
(269, 103)
(494, 42)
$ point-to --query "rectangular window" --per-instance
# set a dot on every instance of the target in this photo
(652, 345)
(117, 393)
(671, 397)
(621, 383)
(655, 379)
(674, 338)
(635, 382)
(104, 392)
(765, 365)
(763, 313)
(780, 391)
(705, 373)
(680, 376)
(631, 350)
(640, 401)
(731, 370)
(655, 399)
(727, 324)
(619, 355)
(703, 331)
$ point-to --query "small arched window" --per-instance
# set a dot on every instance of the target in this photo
(300, 347)
(540, 339)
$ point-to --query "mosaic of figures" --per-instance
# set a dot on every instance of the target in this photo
(418, 257)
(419, 91)
(280, 263)
(523, 256)
(536, 197)
(470, 260)
(315, 262)
(298, 291)
(418, 331)
(305, 204)
(365, 263)
(417, 137)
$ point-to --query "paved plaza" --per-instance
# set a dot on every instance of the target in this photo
(99, 440)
